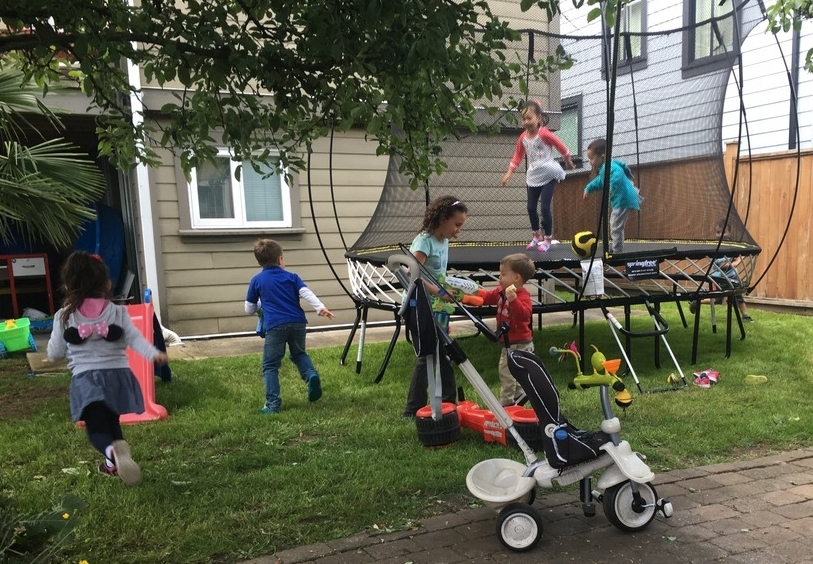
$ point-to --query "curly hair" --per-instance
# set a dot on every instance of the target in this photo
(439, 210)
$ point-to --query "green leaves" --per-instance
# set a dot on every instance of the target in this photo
(784, 15)
(44, 188)
(272, 73)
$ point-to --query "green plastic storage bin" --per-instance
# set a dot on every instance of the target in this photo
(15, 333)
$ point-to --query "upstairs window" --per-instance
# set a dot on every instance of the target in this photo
(219, 200)
(570, 130)
(631, 45)
(711, 38)
(633, 21)
(707, 41)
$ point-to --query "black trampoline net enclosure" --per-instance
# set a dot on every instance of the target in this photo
(666, 126)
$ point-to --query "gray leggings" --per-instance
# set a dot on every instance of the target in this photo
(618, 220)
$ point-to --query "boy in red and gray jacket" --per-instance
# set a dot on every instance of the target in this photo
(513, 307)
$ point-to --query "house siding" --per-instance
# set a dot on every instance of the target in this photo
(766, 93)
(205, 278)
(765, 87)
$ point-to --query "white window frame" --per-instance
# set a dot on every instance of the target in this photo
(238, 201)
(624, 24)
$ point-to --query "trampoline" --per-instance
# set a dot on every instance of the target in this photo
(666, 126)
(683, 274)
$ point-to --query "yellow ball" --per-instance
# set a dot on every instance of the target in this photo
(584, 244)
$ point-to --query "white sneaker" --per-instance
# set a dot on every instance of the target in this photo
(545, 244)
(533, 244)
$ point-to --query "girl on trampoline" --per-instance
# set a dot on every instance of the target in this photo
(543, 172)
(443, 219)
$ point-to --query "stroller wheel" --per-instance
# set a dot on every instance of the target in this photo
(444, 431)
(519, 527)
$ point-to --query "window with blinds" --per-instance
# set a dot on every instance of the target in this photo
(232, 194)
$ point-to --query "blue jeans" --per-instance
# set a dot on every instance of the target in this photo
(293, 335)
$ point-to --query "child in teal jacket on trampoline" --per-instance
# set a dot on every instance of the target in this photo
(624, 196)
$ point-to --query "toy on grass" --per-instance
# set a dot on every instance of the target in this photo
(485, 422)
(754, 379)
(573, 350)
(584, 244)
(706, 378)
(601, 367)
(15, 335)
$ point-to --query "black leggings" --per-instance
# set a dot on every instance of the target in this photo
(545, 193)
(102, 425)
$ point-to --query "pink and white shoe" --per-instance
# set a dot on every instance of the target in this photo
(702, 381)
(126, 467)
(535, 242)
(545, 244)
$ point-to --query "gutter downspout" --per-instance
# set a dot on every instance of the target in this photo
(142, 178)
(793, 122)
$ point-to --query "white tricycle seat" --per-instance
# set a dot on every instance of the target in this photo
(499, 482)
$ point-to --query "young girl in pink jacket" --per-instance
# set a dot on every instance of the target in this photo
(537, 143)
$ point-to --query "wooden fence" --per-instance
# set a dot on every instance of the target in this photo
(773, 198)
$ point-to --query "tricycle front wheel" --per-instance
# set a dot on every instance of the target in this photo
(628, 511)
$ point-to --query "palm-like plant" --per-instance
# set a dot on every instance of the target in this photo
(45, 189)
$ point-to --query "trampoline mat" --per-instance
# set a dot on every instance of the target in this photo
(487, 256)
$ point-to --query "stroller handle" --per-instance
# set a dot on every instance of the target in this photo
(394, 262)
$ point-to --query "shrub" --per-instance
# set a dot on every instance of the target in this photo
(36, 538)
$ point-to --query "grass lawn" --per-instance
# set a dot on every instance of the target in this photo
(223, 482)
